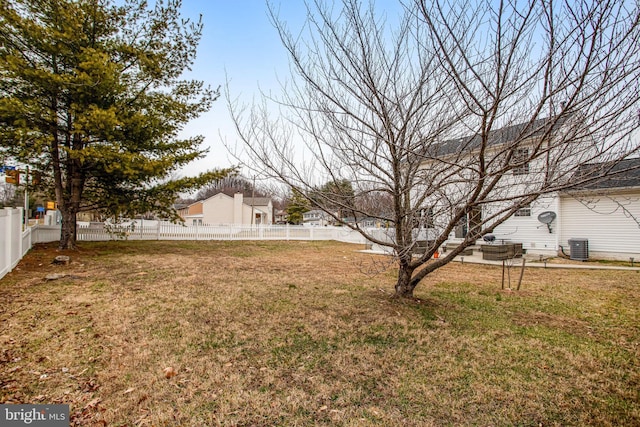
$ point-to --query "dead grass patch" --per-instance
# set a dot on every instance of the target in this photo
(275, 333)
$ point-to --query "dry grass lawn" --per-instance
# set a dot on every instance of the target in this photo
(303, 333)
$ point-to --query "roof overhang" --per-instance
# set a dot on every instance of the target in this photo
(599, 191)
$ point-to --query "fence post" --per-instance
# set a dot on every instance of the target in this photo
(19, 230)
(8, 238)
(29, 240)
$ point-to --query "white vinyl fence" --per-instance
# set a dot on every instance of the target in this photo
(162, 230)
(15, 242)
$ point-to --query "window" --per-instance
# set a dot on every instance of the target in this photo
(519, 159)
(524, 211)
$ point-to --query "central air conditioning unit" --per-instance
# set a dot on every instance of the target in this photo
(579, 249)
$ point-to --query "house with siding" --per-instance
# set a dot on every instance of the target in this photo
(280, 217)
(223, 209)
(606, 213)
(316, 217)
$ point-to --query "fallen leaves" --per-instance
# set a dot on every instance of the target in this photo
(169, 372)
(258, 355)
(93, 403)
(90, 385)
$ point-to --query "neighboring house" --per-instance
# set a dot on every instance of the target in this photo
(280, 217)
(366, 222)
(88, 216)
(316, 217)
(606, 214)
(223, 209)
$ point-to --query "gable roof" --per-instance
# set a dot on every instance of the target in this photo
(623, 174)
(497, 137)
(257, 201)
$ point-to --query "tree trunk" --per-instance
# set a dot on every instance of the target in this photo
(404, 285)
(68, 230)
(69, 208)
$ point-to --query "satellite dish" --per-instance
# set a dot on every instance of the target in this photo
(547, 217)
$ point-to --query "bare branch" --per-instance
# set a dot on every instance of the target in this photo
(454, 115)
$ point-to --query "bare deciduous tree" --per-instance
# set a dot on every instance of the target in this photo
(230, 185)
(459, 112)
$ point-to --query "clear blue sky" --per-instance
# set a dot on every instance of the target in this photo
(240, 42)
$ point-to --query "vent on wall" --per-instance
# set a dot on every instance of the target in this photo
(579, 249)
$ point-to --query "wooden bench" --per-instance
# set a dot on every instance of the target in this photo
(501, 252)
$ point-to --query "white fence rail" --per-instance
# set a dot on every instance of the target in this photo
(168, 231)
(45, 233)
(14, 242)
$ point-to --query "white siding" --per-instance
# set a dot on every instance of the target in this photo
(534, 236)
(608, 222)
(218, 209)
(246, 214)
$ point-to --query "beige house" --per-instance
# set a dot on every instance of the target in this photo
(223, 209)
